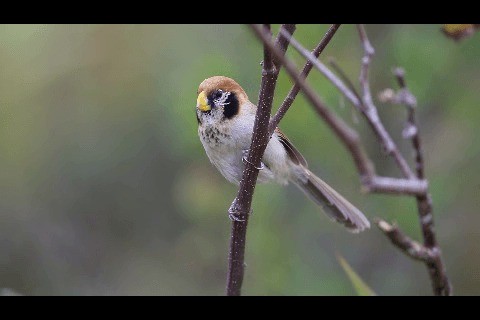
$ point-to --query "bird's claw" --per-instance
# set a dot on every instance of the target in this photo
(245, 161)
(234, 217)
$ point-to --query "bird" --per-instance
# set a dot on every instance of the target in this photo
(226, 117)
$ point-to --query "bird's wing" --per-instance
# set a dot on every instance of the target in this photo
(292, 152)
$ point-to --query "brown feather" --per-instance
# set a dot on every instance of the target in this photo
(292, 152)
(333, 204)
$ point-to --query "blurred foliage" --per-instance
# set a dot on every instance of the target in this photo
(359, 285)
(459, 31)
(106, 189)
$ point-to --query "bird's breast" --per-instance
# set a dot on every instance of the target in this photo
(214, 136)
(223, 152)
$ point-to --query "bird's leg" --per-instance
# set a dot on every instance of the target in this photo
(235, 214)
(245, 161)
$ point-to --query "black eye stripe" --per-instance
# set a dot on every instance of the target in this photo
(230, 108)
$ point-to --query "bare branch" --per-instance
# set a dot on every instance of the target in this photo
(365, 105)
(312, 59)
(412, 184)
(371, 182)
(408, 99)
(282, 43)
(306, 70)
(371, 110)
(411, 248)
(368, 54)
(397, 186)
(343, 76)
(347, 135)
(241, 205)
(441, 284)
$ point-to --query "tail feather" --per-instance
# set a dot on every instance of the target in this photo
(334, 205)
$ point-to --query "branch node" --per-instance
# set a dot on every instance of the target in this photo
(399, 73)
(387, 95)
(384, 225)
(411, 248)
(409, 131)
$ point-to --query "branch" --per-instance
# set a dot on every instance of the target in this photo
(411, 248)
(347, 135)
(371, 110)
(282, 110)
(312, 59)
(241, 205)
(441, 284)
(369, 180)
(343, 76)
(396, 186)
(365, 105)
(406, 98)
(282, 43)
(412, 184)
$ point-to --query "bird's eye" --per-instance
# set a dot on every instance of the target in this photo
(218, 94)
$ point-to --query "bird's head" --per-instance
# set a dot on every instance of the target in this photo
(219, 99)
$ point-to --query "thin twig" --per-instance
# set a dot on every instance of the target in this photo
(405, 97)
(343, 76)
(411, 248)
(441, 284)
(397, 186)
(344, 89)
(282, 43)
(367, 58)
(371, 110)
(292, 94)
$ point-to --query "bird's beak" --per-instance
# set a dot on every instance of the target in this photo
(202, 104)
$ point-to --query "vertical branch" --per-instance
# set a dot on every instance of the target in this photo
(236, 257)
(282, 42)
(241, 205)
(370, 110)
(367, 58)
(436, 267)
(411, 130)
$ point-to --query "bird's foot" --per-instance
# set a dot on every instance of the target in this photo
(245, 161)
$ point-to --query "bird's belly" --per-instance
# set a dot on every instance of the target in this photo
(227, 160)
(231, 167)
(226, 155)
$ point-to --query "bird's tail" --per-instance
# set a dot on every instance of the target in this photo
(332, 203)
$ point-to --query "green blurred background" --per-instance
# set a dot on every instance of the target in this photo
(105, 187)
